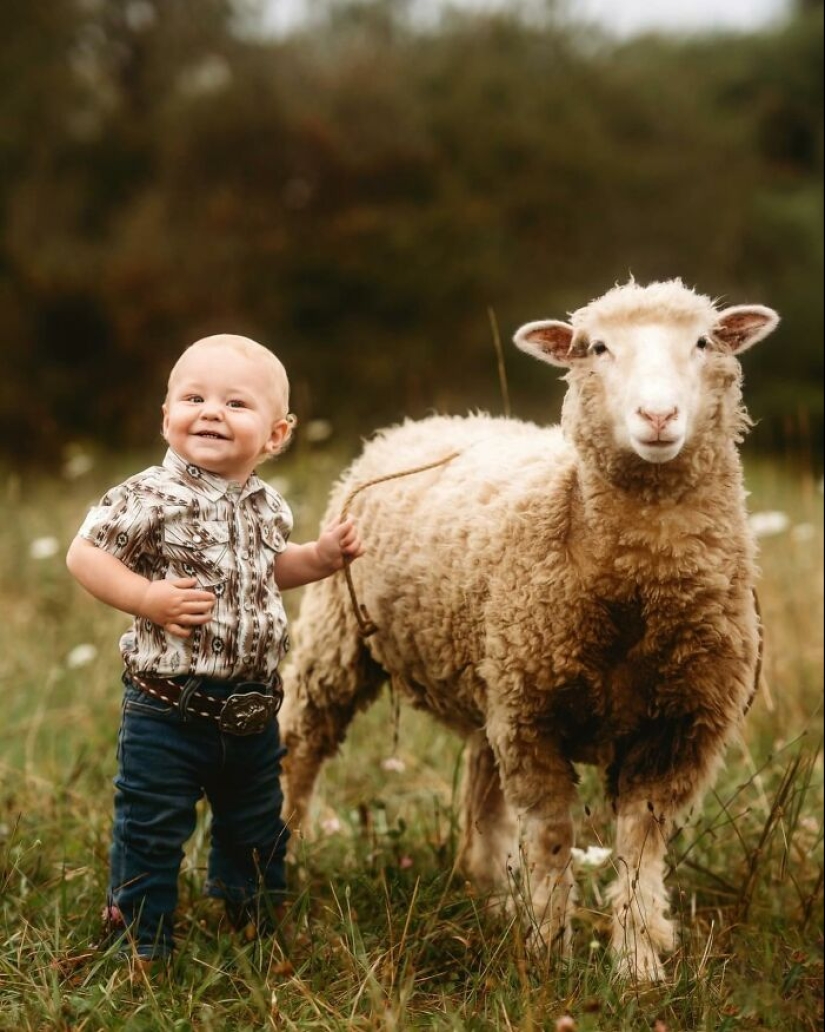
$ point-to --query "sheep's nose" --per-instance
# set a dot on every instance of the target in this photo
(658, 419)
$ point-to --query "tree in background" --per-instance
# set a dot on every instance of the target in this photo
(361, 194)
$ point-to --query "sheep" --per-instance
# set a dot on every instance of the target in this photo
(582, 593)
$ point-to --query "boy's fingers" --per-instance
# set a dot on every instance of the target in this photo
(190, 586)
(340, 525)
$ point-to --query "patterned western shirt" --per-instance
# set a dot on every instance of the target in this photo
(177, 520)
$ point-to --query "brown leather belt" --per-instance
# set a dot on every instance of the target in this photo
(247, 711)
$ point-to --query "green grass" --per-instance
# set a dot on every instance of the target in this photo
(382, 933)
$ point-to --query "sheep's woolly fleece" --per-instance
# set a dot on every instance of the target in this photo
(555, 599)
(632, 303)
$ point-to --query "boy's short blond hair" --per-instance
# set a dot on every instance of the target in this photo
(272, 369)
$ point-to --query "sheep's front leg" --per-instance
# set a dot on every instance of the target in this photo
(658, 775)
(641, 928)
(546, 870)
(539, 785)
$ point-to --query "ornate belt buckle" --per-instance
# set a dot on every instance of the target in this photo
(246, 713)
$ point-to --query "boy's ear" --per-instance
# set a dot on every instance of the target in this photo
(164, 420)
(279, 436)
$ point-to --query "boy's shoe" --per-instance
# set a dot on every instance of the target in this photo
(142, 969)
(115, 933)
(255, 920)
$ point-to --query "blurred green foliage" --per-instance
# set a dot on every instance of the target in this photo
(361, 195)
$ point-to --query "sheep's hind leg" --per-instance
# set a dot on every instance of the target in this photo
(489, 844)
(331, 676)
(311, 735)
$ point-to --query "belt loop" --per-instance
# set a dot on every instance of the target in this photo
(188, 689)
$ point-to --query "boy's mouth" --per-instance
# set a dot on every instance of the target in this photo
(211, 435)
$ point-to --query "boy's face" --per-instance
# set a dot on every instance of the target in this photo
(221, 413)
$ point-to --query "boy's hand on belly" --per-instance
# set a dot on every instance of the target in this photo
(177, 605)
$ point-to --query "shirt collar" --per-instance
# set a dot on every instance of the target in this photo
(210, 485)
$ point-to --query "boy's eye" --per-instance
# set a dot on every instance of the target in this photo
(236, 403)
(196, 398)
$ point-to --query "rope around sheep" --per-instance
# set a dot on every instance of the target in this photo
(366, 626)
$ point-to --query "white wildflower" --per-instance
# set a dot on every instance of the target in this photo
(593, 856)
(318, 430)
(211, 75)
(77, 465)
(394, 764)
(767, 524)
(44, 547)
(808, 833)
(140, 15)
(803, 532)
(80, 656)
(331, 825)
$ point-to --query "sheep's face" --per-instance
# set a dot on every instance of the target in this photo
(649, 363)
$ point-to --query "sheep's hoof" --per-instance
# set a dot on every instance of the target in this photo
(549, 943)
(639, 963)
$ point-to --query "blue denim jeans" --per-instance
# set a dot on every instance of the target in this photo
(167, 764)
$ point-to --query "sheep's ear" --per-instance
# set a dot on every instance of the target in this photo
(744, 325)
(549, 341)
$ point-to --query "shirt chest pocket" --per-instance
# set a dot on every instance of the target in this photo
(199, 550)
(271, 537)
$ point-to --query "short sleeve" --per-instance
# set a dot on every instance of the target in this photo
(122, 526)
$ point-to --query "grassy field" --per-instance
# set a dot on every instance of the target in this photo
(382, 934)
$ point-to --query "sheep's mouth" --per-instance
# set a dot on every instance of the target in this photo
(659, 449)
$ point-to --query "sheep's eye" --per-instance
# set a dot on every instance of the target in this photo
(598, 347)
(703, 343)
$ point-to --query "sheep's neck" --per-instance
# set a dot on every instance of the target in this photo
(660, 509)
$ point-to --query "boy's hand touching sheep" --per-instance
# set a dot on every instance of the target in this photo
(337, 544)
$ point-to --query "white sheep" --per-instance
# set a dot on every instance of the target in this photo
(583, 593)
